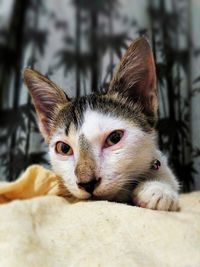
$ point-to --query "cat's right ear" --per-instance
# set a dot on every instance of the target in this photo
(136, 77)
(47, 98)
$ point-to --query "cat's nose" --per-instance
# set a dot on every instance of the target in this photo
(89, 186)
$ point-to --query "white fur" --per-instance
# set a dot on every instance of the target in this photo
(96, 123)
(65, 166)
(117, 167)
(156, 195)
(109, 166)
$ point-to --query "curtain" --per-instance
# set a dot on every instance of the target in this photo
(77, 44)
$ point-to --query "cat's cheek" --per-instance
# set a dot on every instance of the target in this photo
(64, 167)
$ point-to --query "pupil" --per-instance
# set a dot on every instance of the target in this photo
(115, 137)
(65, 148)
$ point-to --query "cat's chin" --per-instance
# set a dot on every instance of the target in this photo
(93, 197)
(109, 197)
(81, 196)
(117, 197)
(101, 194)
(88, 196)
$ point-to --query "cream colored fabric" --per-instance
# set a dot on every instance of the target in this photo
(50, 231)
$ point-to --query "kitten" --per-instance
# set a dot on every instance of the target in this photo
(104, 145)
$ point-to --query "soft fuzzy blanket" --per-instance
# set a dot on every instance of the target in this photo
(51, 231)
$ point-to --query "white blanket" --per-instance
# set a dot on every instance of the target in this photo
(49, 232)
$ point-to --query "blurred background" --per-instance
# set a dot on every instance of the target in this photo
(77, 44)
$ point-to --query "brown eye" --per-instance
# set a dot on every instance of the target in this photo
(114, 138)
(63, 149)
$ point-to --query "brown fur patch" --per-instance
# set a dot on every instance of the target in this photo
(85, 168)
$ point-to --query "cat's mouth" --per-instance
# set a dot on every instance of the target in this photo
(102, 196)
(93, 197)
(97, 198)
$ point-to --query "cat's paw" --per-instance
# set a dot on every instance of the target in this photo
(156, 195)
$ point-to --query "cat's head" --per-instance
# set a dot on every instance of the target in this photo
(102, 142)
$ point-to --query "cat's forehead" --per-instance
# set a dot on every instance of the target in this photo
(95, 122)
(95, 127)
(98, 111)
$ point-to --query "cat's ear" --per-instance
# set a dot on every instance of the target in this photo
(136, 77)
(47, 98)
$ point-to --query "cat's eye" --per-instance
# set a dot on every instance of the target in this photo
(114, 138)
(63, 149)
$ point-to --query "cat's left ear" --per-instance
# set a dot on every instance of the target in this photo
(48, 100)
(136, 77)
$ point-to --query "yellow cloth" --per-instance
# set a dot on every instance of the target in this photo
(35, 181)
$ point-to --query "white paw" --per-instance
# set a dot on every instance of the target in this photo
(156, 195)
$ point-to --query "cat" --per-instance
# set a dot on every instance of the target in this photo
(104, 145)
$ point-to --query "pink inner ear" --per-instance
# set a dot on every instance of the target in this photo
(144, 90)
(45, 125)
(45, 113)
(151, 73)
(46, 96)
(149, 86)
